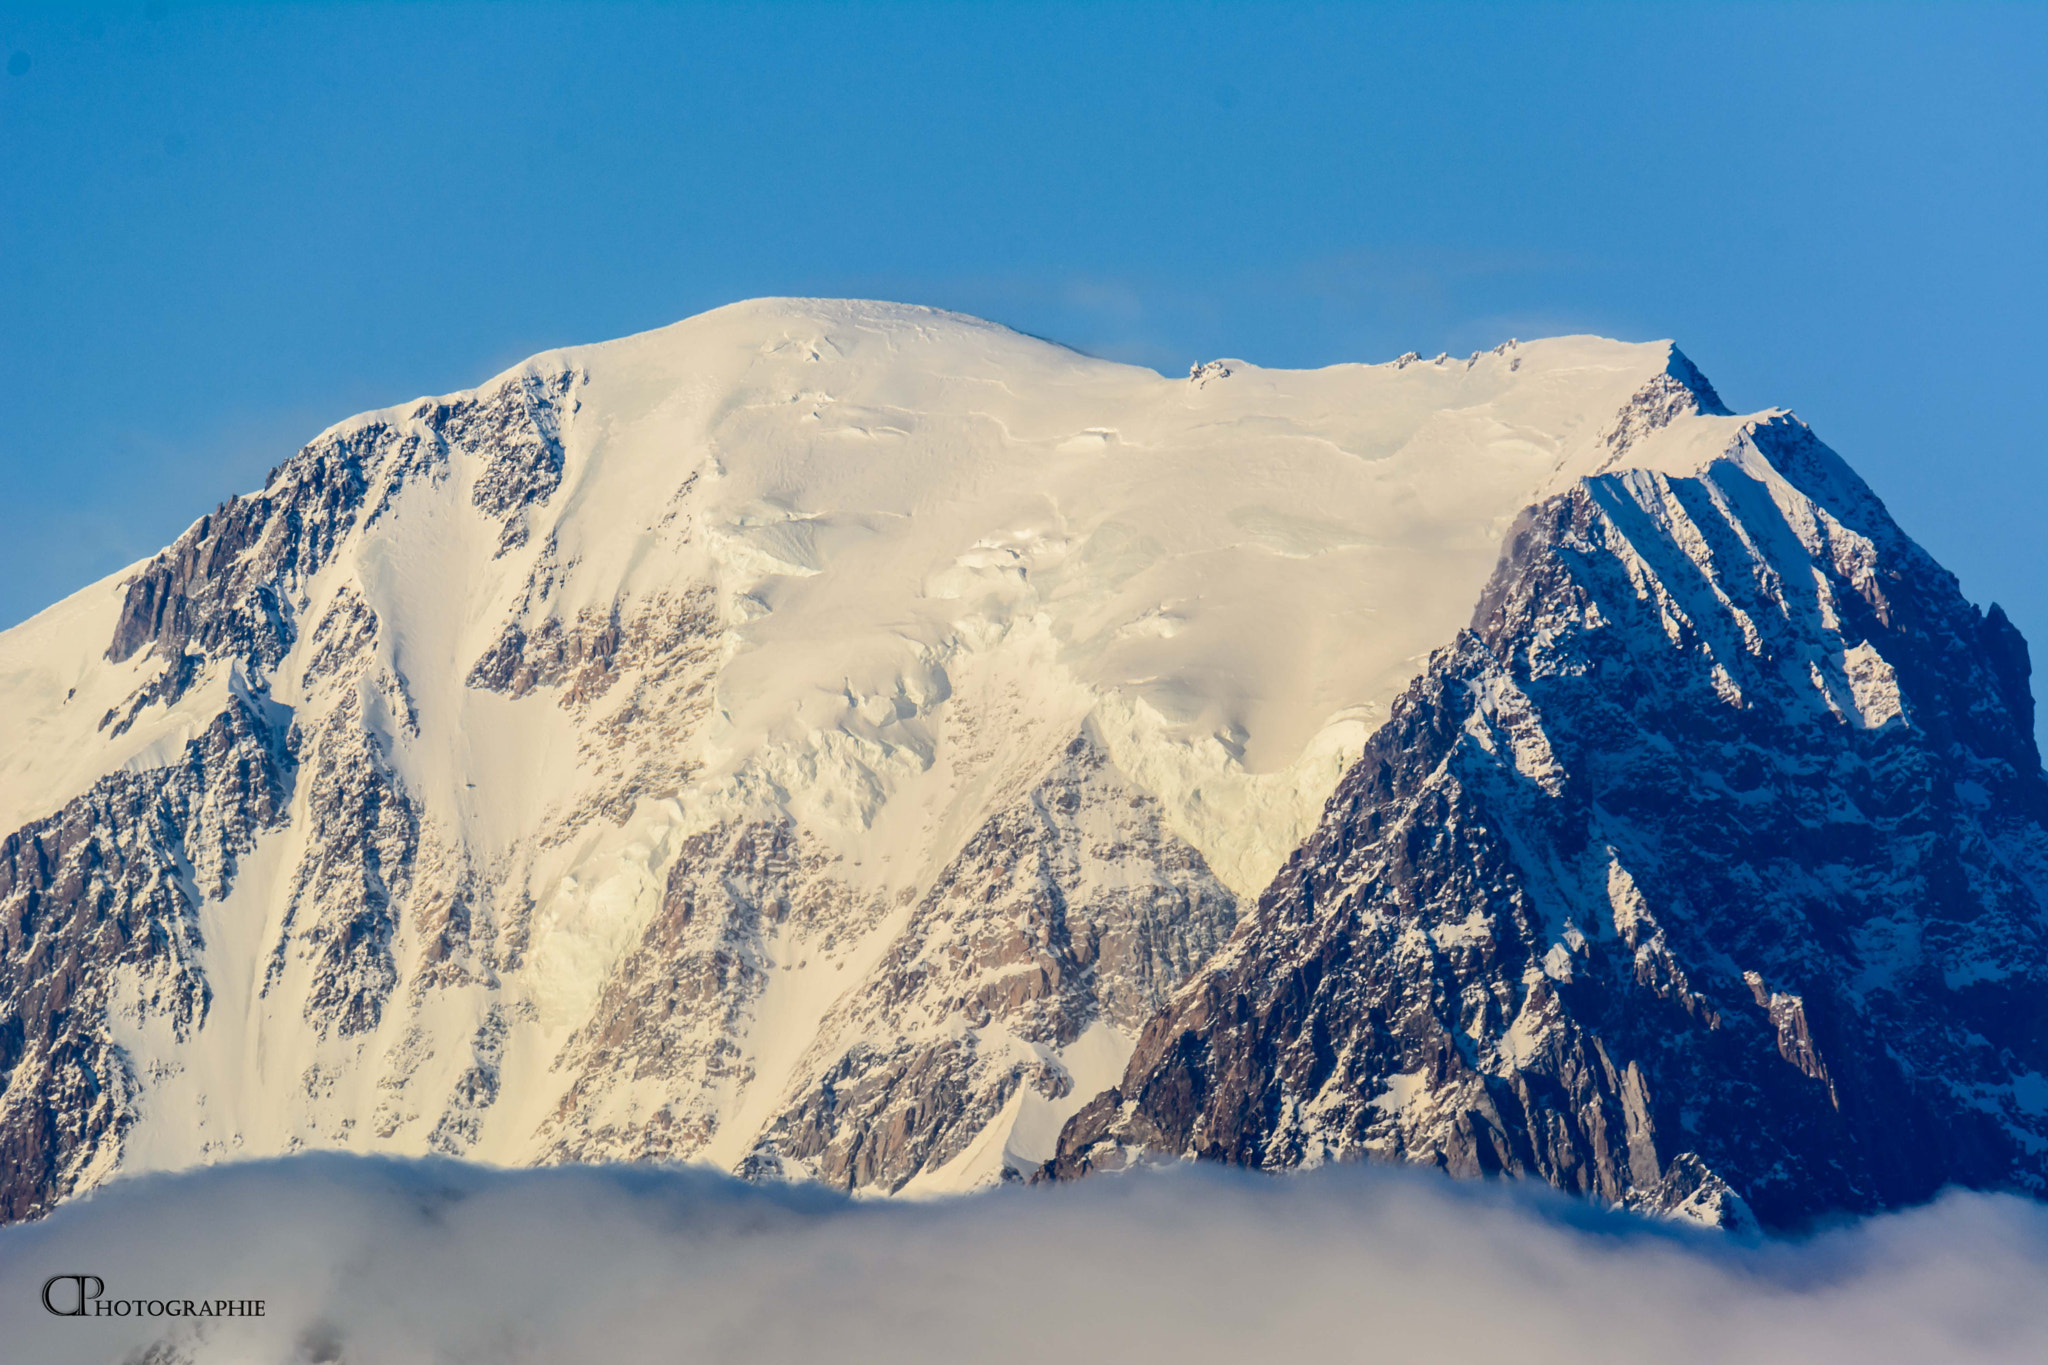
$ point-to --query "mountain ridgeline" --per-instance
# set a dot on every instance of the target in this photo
(854, 743)
(1703, 873)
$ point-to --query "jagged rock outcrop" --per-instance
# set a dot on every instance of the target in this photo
(1073, 909)
(824, 739)
(1707, 872)
(99, 930)
(741, 903)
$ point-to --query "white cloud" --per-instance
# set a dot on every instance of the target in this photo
(373, 1261)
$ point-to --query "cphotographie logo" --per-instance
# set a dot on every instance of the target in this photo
(84, 1296)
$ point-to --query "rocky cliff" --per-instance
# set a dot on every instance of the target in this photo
(856, 743)
(1704, 873)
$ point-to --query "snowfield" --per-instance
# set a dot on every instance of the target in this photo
(814, 739)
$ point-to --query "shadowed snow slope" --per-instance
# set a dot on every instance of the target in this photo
(814, 738)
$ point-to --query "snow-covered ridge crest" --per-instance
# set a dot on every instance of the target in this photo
(633, 705)
(1407, 470)
(1705, 873)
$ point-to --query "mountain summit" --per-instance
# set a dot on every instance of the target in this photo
(855, 742)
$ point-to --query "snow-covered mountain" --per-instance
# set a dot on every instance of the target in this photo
(840, 740)
(1705, 873)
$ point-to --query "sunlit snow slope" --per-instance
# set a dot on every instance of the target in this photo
(814, 737)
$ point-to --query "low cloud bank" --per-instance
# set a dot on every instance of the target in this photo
(374, 1261)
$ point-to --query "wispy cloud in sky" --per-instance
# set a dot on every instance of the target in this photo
(372, 1261)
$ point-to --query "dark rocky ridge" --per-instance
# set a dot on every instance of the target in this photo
(1070, 906)
(1670, 872)
(98, 913)
(1708, 864)
(232, 583)
(98, 902)
(1075, 905)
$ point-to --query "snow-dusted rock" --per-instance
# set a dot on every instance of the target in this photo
(819, 738)
(1704, 874)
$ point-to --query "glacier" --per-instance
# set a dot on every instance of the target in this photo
(825, 739)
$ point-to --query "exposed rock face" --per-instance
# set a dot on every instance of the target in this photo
(740, 903)
(301, 932)
(1707, 870)
(343, 908)
(1072, 909)
(101, 901)
(235, 583)
(823, 740)
(98, 921)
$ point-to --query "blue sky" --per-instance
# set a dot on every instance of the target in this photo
(222, 228)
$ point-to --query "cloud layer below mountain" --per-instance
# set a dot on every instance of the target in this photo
(373, 1260)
